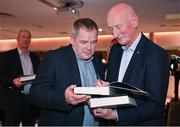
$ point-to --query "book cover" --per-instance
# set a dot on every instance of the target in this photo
(112, 102)
(27, 78)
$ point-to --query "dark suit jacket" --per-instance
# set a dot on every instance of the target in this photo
(149, 71)
(59, 70)
(12, 98)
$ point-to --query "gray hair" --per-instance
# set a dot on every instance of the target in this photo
(23, 30)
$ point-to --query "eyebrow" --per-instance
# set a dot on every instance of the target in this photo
(87, 41)
(115, 25)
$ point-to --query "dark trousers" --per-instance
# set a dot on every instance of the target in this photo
(27, 115)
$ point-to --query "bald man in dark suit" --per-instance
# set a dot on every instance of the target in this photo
(138, 61)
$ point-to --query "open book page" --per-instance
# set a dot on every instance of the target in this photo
(114, 89)
(125, 88)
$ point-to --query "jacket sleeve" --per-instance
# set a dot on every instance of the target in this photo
(43, 92)
(5, 80)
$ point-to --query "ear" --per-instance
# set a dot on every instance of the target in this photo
(72, 39)
(134, 21)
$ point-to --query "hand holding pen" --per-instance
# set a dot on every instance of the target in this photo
(100, 82)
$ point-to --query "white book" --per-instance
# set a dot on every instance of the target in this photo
(92, 90)
(118, 101)
(27, 78)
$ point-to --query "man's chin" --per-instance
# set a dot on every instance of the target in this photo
(25, 46)
(87, 57)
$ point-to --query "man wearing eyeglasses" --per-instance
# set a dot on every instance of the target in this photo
(64, 69)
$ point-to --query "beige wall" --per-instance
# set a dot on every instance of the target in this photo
(44, 44)
(167, 40)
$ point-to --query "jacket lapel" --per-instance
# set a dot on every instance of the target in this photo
(17, 61)
(136, 58)
(73, 66)
(114, 63)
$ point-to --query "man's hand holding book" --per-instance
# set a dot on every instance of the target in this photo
(106, 113)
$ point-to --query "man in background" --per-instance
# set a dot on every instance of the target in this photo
(14, 64)
(137, 61)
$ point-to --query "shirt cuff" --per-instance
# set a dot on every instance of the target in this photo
(115, 111)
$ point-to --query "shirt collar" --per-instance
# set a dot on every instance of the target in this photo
(84, 61)
(134, 44)
(20, 52)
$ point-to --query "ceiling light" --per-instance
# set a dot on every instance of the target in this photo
(65, 5)
(100, 30)
(74, 11)
(173, 16)
(55, 8)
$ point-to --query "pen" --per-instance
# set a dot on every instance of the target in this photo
(99, 79)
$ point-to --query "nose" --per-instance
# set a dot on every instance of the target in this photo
(25, 38)
(89, 45)
(115, 33)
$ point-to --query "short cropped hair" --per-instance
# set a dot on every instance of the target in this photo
(87, 23)
(24, 30)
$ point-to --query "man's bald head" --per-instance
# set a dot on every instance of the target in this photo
(123, 22)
